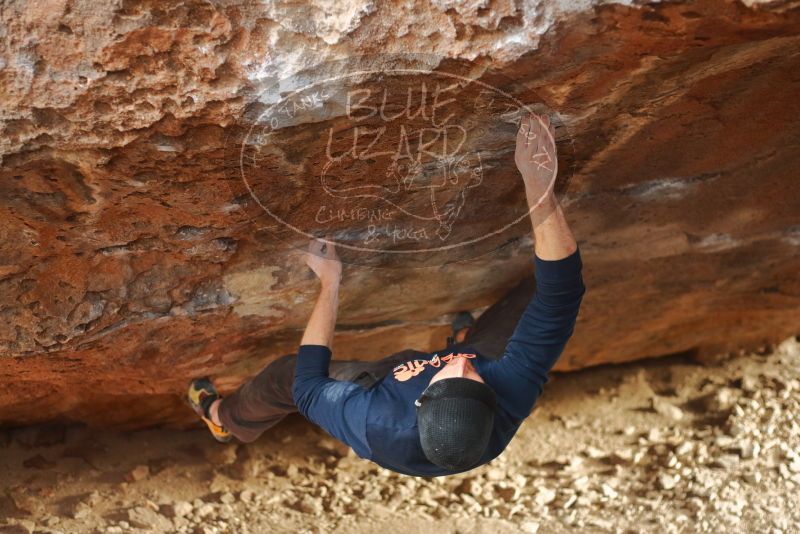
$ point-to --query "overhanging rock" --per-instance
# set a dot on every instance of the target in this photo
(152, 210)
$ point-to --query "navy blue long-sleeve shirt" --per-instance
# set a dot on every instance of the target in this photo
(380, 423)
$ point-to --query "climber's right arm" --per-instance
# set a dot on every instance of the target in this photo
(548, 321)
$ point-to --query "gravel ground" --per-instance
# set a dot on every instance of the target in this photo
(664, 445)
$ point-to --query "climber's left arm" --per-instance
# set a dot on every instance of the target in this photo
(322, 259)
(339, 407)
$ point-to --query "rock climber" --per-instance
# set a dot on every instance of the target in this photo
(427, 414)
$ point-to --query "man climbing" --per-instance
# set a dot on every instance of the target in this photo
(417, 413)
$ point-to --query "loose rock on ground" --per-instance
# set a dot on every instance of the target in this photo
(609, 458)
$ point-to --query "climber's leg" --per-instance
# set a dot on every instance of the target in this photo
(264, 400)
(463, 323)
(202, 395)
(494, 327)
(260, 402)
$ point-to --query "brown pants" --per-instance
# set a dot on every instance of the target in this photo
(265, 399)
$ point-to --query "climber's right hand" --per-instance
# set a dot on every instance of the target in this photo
(535, 156)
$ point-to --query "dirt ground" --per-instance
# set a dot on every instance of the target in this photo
(658, 446)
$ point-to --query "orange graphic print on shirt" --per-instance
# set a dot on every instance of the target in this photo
(408, 370)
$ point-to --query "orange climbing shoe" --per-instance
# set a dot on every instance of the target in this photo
(201, 395)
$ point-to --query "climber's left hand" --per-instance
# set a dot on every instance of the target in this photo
(323, 260)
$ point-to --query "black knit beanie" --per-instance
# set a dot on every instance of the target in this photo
(455, 418)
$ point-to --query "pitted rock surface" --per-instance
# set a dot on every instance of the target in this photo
(131, 260)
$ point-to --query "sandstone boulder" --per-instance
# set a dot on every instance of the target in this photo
(152, 211)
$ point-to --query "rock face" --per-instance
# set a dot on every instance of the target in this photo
(152, 209)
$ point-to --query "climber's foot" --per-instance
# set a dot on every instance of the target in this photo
(202, 395)
(463, 322)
